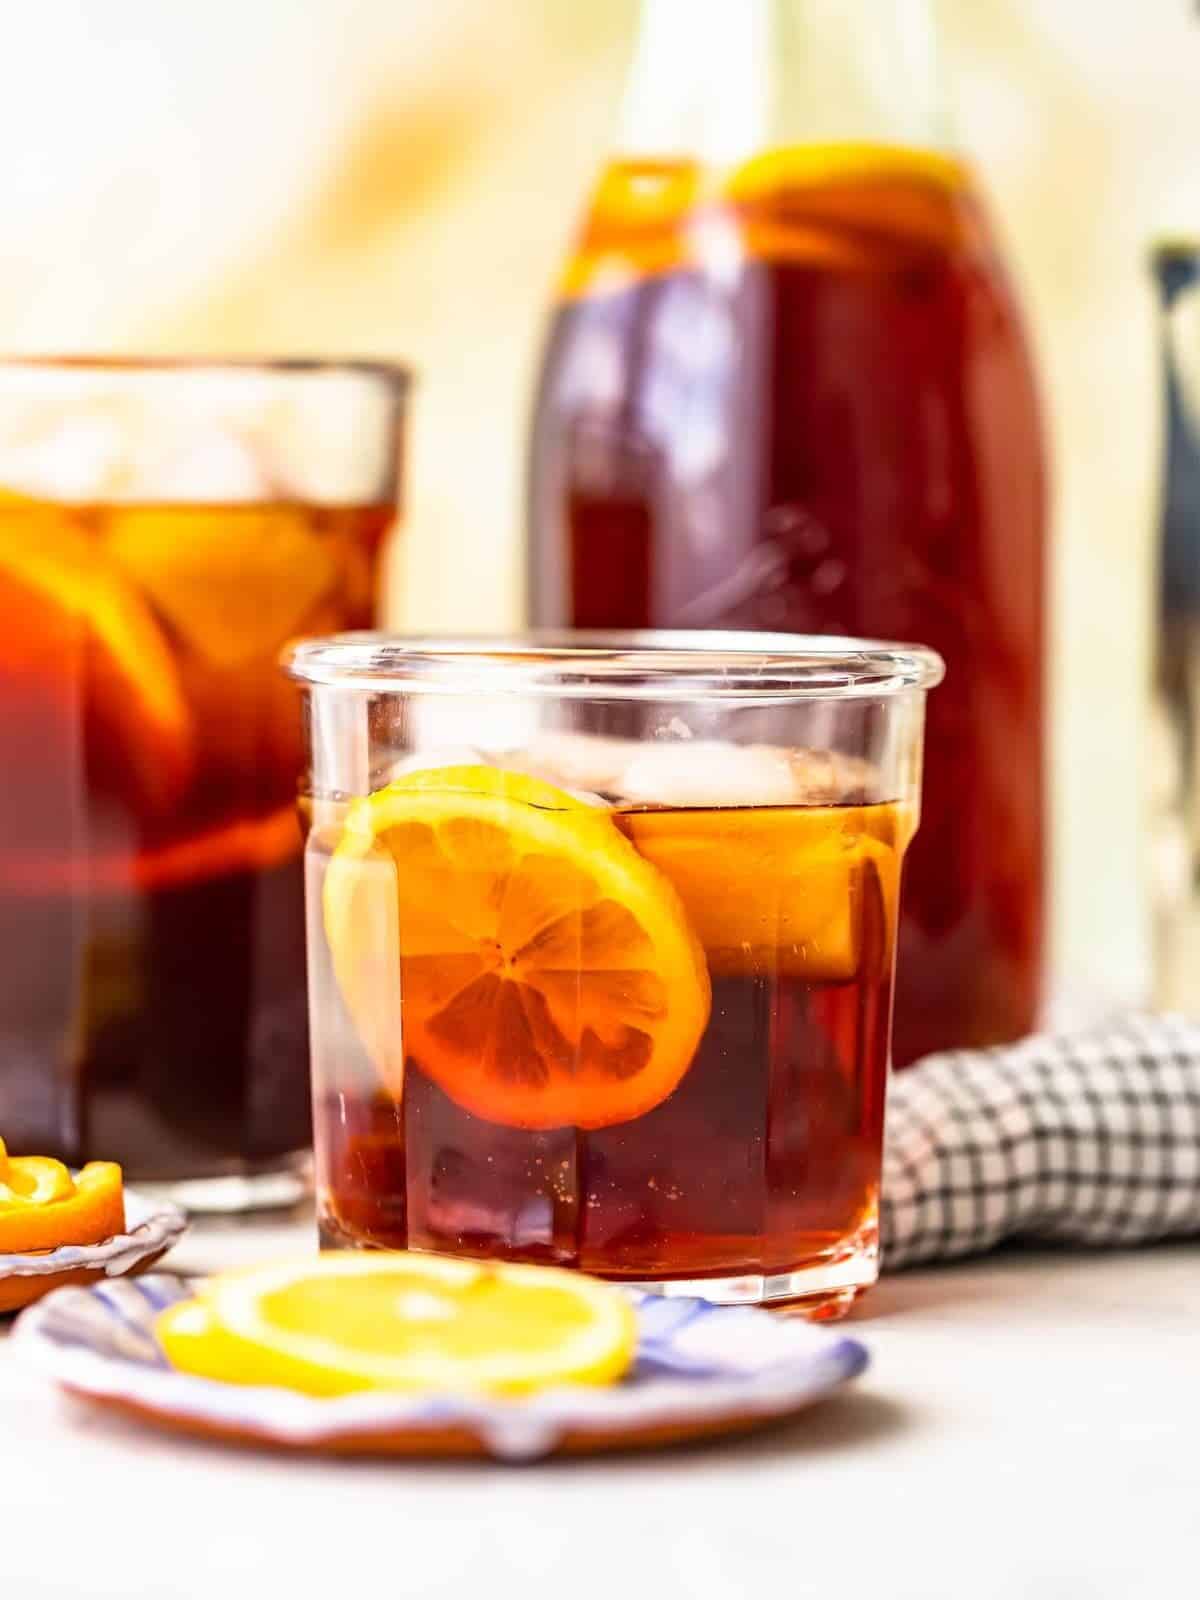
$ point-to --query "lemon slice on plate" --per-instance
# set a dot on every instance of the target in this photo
(397, 1321)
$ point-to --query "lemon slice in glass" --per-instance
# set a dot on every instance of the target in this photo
(547, 975)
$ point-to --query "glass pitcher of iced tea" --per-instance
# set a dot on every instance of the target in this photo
(786, 386)
(601, 940)
(165, 529)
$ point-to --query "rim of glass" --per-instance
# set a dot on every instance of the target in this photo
(396, 373)
(644, 665)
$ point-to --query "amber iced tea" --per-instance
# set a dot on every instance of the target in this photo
(150, 892)
(763, 1157)
(587, 1002)
(749, 454)
(150, 879)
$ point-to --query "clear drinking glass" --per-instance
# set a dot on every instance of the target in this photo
(165, 529)
(601, 943)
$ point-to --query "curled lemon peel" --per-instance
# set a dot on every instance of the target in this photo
(42, 1206)
(35, 1181)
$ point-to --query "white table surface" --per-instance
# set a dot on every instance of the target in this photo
(1029, 1428)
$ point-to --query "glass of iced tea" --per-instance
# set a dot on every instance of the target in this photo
(165, 529)
(601, 939)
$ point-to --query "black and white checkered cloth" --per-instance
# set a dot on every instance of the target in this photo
(1087, 1138)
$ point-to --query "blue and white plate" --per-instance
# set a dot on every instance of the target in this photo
(701, 1369)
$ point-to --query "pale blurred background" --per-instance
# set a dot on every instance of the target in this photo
(399, 178)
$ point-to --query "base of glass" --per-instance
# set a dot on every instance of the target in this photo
(821, 1291)
(276, 1186)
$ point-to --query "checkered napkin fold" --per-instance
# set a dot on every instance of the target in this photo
(1085, 1138)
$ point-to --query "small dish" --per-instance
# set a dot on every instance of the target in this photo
(151, 1228)
(701, 1370)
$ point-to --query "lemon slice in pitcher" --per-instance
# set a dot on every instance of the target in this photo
(348, 1323)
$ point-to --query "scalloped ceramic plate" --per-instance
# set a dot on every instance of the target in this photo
(151, 1228)
(701, 1370)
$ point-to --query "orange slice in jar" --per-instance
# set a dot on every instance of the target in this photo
(234, 581)
(852, 204)
(541, 973)
(73, 612)
(42, 1206)
(849, 161)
